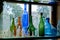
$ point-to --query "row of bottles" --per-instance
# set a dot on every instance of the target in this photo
(21, 26)
(45, 29)
(16, 30)
(25, 26)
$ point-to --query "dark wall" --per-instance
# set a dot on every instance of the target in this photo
(54, 15)
(1, 6)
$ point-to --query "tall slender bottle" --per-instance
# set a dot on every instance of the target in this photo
(19, 27)
(31, 28)
(13, 28)
(41, 25)
(48, 31)
(25, 20)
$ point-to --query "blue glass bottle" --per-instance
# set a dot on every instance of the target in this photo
(25, 20)
(54, 31)
(47, 28)
(52, 2)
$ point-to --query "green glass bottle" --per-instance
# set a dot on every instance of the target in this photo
(36, 0)
(31, 28)
(41, 25)
(13, 28)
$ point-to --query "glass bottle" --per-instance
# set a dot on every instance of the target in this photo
(19, 27)
(52, 1)
(25, 20)
(13, 28)
(41, 25)
(36, 0)
(48, 30)
(31, 28)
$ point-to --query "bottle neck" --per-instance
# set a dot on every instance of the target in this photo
(13, 21)
(18, 20)
(19, 23)
(47, 19)
(41, 14)
(25, 10)
(25, 6)
(30, 19)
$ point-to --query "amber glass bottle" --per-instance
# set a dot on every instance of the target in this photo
(19, 27)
